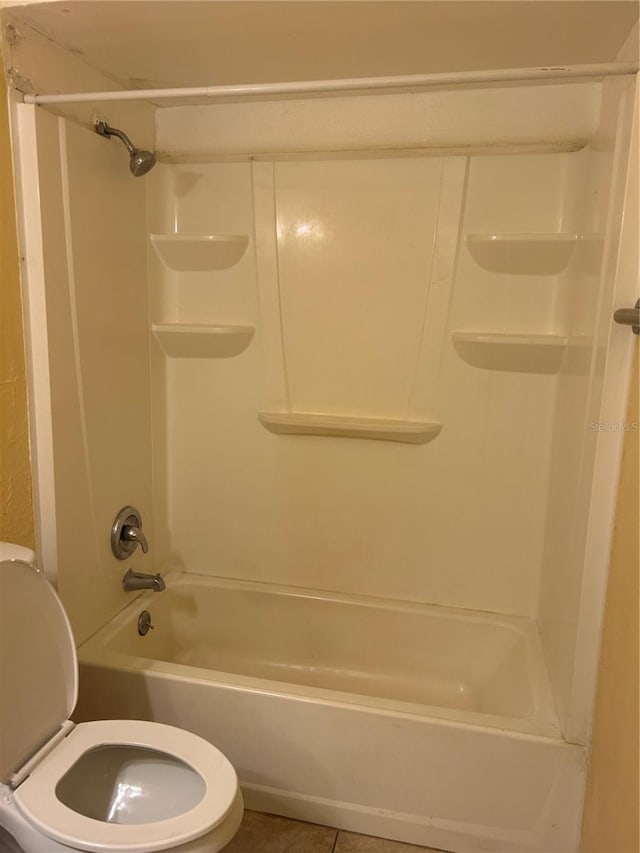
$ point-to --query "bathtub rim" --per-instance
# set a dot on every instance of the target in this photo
(541, 723)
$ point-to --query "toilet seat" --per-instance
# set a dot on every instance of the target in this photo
(135, 771)
(37, 800)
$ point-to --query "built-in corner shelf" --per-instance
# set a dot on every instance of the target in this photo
(185, 340)
(508, 339)
(519, 352)
(383, 429)
(199, 252)
(526, 253)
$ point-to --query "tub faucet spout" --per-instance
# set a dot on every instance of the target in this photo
(134, 581)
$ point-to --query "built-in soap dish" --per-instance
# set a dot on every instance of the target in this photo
(527, 253)
(511, 339)
(199, 252)
(509, 351)
(187, 340)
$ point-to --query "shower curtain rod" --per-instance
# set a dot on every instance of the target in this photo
(355, 84)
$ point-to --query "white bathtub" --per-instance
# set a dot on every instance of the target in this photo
(419, 723)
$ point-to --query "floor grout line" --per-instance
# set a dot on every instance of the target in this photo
(335, 841)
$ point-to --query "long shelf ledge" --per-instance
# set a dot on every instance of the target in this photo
(384, 429)
(522, 253)
(199, 252)
(187, 340)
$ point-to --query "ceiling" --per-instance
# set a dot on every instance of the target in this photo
(167, 43)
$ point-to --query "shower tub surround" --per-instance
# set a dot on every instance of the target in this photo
(364, 337)
(459, 748)
(470, 336)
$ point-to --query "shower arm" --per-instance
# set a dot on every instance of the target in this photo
(104, 130)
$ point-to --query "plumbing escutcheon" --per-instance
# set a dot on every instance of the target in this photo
(127, 519)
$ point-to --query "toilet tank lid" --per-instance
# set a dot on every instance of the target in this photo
(39, 665)
(10, 551)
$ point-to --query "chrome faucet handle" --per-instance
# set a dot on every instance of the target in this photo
(126, 533)
(133, 534)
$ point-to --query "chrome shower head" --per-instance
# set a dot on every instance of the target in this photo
(140, 161)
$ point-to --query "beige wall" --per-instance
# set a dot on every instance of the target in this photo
(611, 806)
(16, 515)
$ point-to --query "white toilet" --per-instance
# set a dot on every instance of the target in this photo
(117, 786)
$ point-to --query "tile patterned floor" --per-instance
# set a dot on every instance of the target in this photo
(265, 833)
(348, 842)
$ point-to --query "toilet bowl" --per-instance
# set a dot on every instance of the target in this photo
(112, 786)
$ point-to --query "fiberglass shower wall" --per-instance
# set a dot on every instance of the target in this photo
(357, 293)
(427, 270)
(83, 221)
